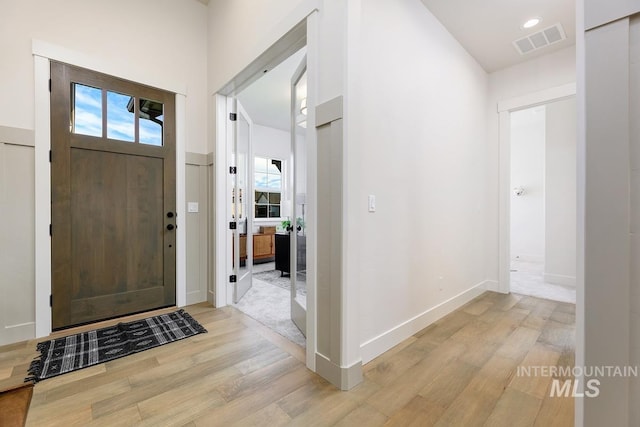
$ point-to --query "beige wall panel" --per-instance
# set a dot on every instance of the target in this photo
(196, 233)
(634, 107)
(607, 220)
(17, 243)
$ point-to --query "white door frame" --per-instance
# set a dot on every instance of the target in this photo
(505, 108)
(302, 32)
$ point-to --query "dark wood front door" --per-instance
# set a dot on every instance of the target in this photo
(113, 197)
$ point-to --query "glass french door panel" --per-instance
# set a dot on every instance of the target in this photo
(300, 187)
(298, 250)
(242, 197)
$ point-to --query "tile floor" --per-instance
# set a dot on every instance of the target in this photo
(527, 278)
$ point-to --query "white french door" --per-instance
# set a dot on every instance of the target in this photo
(242, 207)
(298, 240)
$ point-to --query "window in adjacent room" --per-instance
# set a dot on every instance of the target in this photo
(268, 187)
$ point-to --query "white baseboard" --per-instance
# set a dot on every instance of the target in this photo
(15, 333)
(383, 342)
(559, 279)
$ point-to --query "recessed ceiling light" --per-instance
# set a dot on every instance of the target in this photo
(531, 23)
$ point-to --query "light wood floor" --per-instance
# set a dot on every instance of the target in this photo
(460, 371)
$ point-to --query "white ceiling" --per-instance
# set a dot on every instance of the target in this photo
(487, 28)
(268, 99)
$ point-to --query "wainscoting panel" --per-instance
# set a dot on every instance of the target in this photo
(17, 235)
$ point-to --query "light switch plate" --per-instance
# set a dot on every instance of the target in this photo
(192, 207)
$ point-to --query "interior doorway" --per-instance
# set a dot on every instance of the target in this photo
(301, 35)
(542, 200)
(269, 204)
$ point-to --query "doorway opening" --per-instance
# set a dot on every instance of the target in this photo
(542, 199)
(269, 198)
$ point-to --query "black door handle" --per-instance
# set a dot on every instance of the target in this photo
(170, 214)
(289, 228)
(170, 227)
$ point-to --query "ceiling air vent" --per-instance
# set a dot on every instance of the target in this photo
(540, 39)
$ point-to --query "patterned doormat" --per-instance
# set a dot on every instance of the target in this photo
(78, 351)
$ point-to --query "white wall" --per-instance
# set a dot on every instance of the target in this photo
(416, 139)
(253, 24)
(528, 173)
(560, 192)
(271, 143)
(162, 39)
(541, 73)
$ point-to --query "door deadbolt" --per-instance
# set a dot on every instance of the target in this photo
(170, 227)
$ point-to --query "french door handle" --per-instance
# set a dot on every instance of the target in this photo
(170, 227)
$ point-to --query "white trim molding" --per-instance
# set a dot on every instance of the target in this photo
(181, 201)
(537, 98)
(42, 140)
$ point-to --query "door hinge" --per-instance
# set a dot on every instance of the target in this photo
(50, 300)
(233, 170)
(233, 117)
(50, 156)
(49, 85)
(232, 225)
(50, 229)
(233, 278)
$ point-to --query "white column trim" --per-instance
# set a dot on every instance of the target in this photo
(42, 137)
(222, 201)
(181, 188)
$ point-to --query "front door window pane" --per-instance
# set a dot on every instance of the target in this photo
(120, 118)
(151, 118)
(86, 110)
